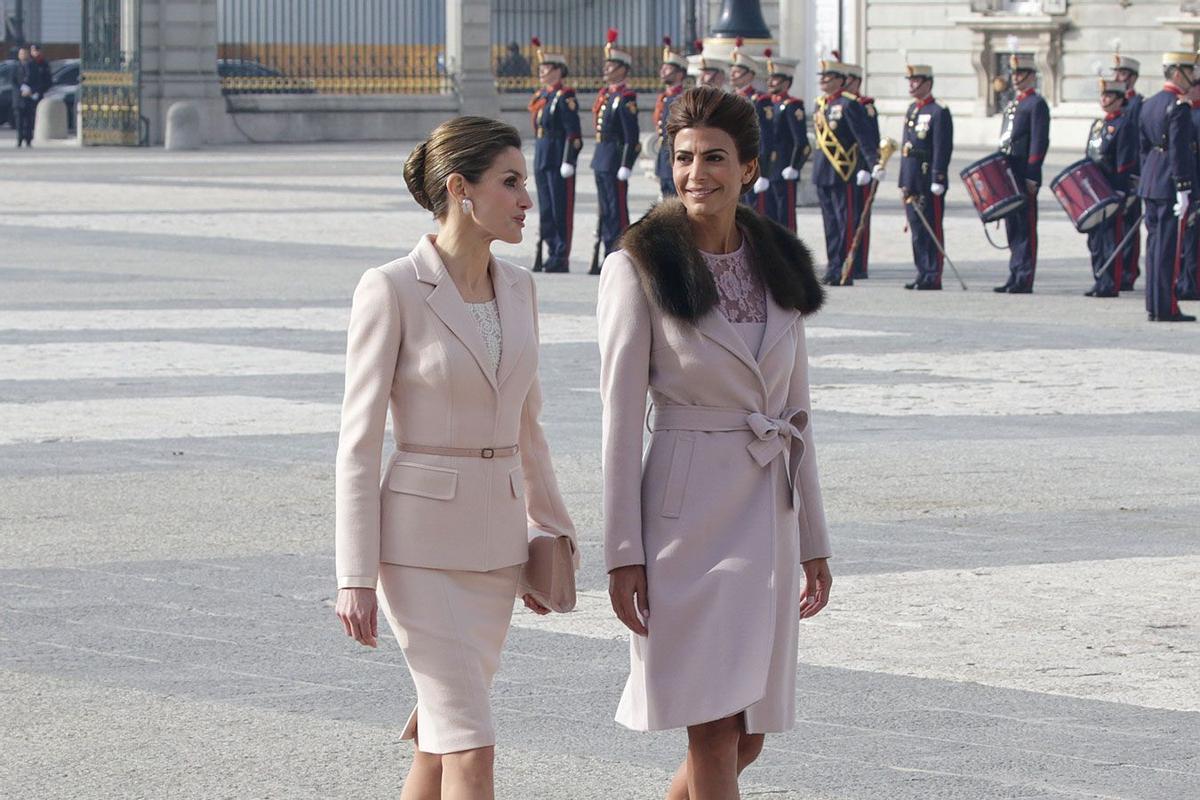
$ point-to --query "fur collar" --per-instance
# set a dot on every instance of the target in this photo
(675, 276)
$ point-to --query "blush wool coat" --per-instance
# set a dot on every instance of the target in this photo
(724, 504)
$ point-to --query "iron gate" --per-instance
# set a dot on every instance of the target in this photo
(110, 86)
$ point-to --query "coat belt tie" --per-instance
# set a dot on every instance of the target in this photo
(774, 436)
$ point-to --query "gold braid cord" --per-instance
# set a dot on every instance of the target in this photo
(841, 159)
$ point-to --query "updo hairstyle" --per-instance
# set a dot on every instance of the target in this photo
(463, 145)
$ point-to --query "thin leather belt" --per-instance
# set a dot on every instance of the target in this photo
(774, 437)
(461, 452)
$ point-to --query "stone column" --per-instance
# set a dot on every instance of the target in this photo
(469, 56)
(179, 62)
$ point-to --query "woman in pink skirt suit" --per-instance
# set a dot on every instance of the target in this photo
(716, 542)
(446, 338)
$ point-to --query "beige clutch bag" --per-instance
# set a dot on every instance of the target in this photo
(549, 574)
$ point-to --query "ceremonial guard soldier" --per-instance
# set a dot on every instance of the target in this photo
(1125, 69)
(925, 150)
(862, 256)
(1112, 145)
(847, 155)
(672, 72)
(1167, 145)
(707, 70)
(1024, 138)
(557, 143)
(1189, 265)
(742, 75)
(617, 147)
(791, 148)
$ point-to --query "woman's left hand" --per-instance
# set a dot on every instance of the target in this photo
(534, 606)
(817, 582)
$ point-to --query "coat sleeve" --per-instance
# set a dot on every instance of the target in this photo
(814, 534)
(623, 313)
(627, 114)
(865, 133)
(574, 133)
(796, 122)
(1181, 135)
(544, 507)
(372, 348)
(1039, 140)
(943, 147)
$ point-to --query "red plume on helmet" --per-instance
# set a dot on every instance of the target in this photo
(837, 55)
(738, 41)
(535, 41)
(767, 52)
(698, 46)
(612, 35)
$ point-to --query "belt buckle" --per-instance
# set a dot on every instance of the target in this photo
(487, 452)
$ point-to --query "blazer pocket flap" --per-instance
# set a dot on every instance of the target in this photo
(516, 479)
(423, 480)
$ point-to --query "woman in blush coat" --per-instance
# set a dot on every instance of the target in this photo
(716, 543)
(446, 338)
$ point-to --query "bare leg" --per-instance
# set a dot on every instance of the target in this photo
(750, 745)
(424, 781)
(467, 775)
(712, 759)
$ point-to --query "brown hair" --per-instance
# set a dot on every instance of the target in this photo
(708, 107)
(463, 145)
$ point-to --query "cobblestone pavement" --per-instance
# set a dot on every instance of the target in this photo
(1012, 483)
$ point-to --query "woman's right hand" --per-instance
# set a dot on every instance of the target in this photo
(627, 590)
(357, 608)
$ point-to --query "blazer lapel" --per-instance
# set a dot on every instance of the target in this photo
(516, 320)
(779, 321)
(448, 304)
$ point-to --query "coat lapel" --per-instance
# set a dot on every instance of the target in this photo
(779, 321)
(516, 321)
(448, 304)
(714, 326)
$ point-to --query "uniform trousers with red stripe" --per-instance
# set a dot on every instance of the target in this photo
(840, 213)
(1021, 227)
(1189, 266)
(1132, 252)
(926, 255)
(863, 253)
(757, 201)
(556, 212)
(613, 196)
(1162, 257)
(1102, 244)
(781, 203)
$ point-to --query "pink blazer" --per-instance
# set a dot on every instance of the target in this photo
(414, 347)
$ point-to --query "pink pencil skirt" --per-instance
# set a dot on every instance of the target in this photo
(451, 625)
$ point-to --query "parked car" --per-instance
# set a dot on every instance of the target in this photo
(64, 80)
(246, 76)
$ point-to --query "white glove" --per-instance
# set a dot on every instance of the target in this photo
(623, 174)
(25, 90)
(1181, 203)
(863, 177)
(761, 185)
(791, 174)
(937, 189)
(37, 96)
(567, 170)
(879, 173)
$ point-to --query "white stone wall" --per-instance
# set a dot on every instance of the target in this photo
(927, 30)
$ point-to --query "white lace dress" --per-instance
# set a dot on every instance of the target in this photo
(487, 316)
(743, 298)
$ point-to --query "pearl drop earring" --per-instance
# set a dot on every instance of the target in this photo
(467, 206)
